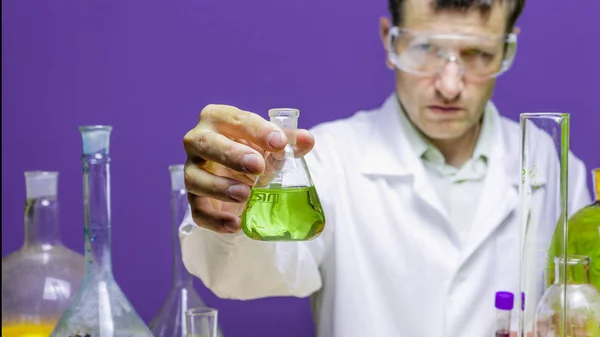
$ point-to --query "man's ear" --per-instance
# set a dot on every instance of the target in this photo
(384, 31)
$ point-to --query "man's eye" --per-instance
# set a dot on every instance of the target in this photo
(477, 53)
(422, 46)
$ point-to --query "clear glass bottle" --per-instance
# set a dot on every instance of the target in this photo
(170, 320)
(40, 279)
(583, 236)
(100, 309)
(570, 308)
(283, 203)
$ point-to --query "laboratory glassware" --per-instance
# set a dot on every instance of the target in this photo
(202, 322)
(575, 297)
(170, 320)
(504, 304)
(284, 204)
(543, 193)
(100, 309)
(41, 278)
(583, 235)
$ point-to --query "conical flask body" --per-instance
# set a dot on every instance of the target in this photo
(284, 204)
(100, 308)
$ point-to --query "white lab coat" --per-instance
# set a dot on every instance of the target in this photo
(388, 264)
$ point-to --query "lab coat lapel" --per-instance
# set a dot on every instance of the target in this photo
(500, 194)
(390, 153)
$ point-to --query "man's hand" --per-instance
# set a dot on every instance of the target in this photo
(225, 153)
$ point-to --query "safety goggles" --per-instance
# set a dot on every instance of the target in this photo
(425, 53)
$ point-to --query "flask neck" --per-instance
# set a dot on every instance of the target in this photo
(288, 123)
(181, 277)
(41, 222)
(97, 215)
(574, 271)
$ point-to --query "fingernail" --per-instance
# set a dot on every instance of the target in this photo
(231, 226)
(250, 162)
(275, 139)
(238, 192)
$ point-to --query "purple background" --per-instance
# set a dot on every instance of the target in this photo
(148, 67)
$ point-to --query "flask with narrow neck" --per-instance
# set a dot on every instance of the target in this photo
(100, 309)
(284, 204)
(40, 279)
(170, 320)
(583, 236)
(571, 306)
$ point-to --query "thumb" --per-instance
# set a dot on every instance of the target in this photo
(304, 142)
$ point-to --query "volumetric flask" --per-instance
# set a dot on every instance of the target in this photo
(170, 320)
(283, 203)
(100, 308)
(201, 322)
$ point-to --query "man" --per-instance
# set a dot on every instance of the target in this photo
(420, 195)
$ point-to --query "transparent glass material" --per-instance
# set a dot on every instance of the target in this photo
(544, 203)
(284, 204)
(100, 309)
(41, 278)
(583, 229)
(170, 320)
(571, 308)
(202, 322)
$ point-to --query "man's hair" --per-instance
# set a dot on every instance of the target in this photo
(515, 7)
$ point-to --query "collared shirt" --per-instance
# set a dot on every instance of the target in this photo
(459, 189)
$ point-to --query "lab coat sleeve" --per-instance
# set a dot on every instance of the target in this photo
(234, 266)
(579, 194)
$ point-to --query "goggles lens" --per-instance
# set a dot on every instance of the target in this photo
(426, 54)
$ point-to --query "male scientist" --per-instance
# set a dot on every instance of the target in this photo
(420, 194)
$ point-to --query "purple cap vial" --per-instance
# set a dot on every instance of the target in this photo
(505, 300)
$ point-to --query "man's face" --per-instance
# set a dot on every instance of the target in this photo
(446, 105)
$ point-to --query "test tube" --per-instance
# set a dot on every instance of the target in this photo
(504, 305)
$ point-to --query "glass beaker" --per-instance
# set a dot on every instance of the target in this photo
(100, 309)
(170, 320)
(583, 229)
(41, 278)
(543, 193)
(201, 322)
(284, 204)
(571, 308)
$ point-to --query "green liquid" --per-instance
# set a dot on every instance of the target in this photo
(286, 214)
(583, 230)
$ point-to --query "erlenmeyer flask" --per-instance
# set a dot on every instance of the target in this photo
(583, 236)
(544, 200)
(576, 297)
(40, 279)
(100, 309)
(170, 320)
(283, 203)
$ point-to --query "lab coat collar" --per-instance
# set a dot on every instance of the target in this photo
(388, 151)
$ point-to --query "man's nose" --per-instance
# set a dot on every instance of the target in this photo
(450, 80)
